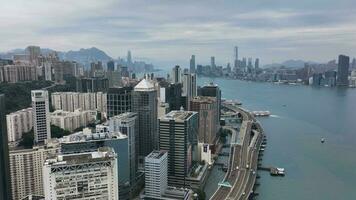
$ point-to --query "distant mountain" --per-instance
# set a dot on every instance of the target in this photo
(84, 56)
(290, 64)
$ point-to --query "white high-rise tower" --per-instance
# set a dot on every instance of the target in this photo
(40, 110)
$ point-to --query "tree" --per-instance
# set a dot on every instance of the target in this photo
(27, 139)
(58, 132)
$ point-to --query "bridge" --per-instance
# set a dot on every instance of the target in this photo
(243, 158)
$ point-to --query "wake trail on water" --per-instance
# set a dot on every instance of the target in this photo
(275, 116)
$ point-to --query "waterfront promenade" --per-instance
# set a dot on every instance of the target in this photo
(242, 166)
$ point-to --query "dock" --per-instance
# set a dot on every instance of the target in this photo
(274, 171)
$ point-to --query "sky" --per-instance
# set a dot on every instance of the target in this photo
(168, 32)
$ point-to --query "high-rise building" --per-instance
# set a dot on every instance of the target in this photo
(127, 124)
(92, 175)
(212, 62)
(343, 70)
(111, 65)
(189, 88)
(174, 96)
(192, 64)
(19, 122)
(257, 63)
(33, 52)
(83, 141)
(73, 120)
(330, 78)
(156, 172)
(129, 58)
(114, 78)
(212, 90)
(178, 135)
(17, 72)
(95, 84)
(40, 110)
(145, 105)
(26, 169)
(119, 100)
(176, 74)
(236, 61)
(208, 118)
(5, 190)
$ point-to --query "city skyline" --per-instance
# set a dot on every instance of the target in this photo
(273, 30)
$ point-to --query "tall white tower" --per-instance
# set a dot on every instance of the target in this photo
(40, 110)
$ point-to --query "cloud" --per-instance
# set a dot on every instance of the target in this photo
(170, 31)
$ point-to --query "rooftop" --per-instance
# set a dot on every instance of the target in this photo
(156, 154)
(85, 137)
(178, 115)
(204, 99)
(144, 85)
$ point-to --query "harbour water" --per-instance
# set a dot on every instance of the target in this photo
(301, 116)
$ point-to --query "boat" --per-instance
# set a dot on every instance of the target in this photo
(322, 140)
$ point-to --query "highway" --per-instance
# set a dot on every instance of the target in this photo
(240, 178)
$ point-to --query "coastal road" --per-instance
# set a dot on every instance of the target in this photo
(241, 175)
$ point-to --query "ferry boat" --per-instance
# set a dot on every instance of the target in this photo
(322, 140)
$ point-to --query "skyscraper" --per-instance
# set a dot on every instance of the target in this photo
(212, 62)
(5, 191)
(192, 64)
(129, 58)
(119, 100)
(96, 84)
(212, 90)
(178, 135)
(111, 65)
(174, 96)
(156, 181)
(343, 70)
(257, 63)
(40, 110)
(236, 62)
(145, 105)
(176, 74)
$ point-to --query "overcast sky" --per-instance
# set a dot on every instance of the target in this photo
(168, 32)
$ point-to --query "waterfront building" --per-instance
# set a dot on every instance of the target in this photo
(176, 74)
(156, 173)
(119, 100)
(41, 121)
(73, 120)
(212, 90)
(71, 101)
(145, 105)
(26, 169)
(317, 79)
(192, 64)
(208, 118)
(343, 70)
(257, 63)
(91, 175)
(330, 78)
(95, 84)
(5, 190)
(177, 135)
(19, 122)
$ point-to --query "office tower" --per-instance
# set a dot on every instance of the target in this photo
(156, 172)
(317, 79)
(193, 85)
(353, 64)
(212, 90)
(176, 74)
(257, 63)
(212, 62)
(189, 88)
(124, 71)
(129, 58)
(127, 124)
(111, 65)
(244, 63)
(114, 78)
(5, 191)
(145, 105)
(192, 64)
(208, 118)
(119, 100)
(236, 61)
(343, 70)
(178, 135)
(26, 169)
(249, 66)
(40, 110)
(90, 175)
(83, 141)
(19, 122)
(70, 121)
(174, 96)
(95, 84)
(48, 71)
